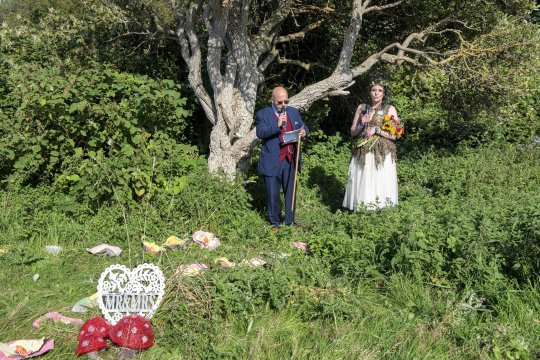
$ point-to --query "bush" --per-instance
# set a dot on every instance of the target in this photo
(93, 132)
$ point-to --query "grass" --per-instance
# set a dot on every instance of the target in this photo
(301, 307)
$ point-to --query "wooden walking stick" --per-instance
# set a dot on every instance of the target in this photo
(296, 171)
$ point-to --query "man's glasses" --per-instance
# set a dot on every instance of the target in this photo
(286, 102)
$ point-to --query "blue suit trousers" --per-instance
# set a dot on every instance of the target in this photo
(283, 179)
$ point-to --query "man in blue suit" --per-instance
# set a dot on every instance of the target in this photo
(277, 160)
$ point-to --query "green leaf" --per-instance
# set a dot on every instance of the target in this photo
(78, 106)
(11, 154)
(137, 139)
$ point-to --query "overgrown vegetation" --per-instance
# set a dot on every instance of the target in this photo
(449, 273)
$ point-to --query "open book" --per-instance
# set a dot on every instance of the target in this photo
(291, 136)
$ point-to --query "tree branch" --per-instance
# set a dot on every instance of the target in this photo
(300, 34)
(217, 28)
(379, 8)
(303, 65)
(263, 40)
(191, 53)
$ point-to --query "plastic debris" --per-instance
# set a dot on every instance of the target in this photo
(173, 242)
(105, 249)
(254, 262)
(86, 303)
(152, 247)
(191, 269)
(471, 302)
(302, 246)
(224, 263)
(206, 240)
(24, 349)
(53, 249)
(35, 277)
(54, 316)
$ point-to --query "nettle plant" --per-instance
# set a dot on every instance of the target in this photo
(94, 131)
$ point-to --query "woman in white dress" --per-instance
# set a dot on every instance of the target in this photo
(372, 170)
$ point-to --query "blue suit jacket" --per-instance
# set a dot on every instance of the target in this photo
(268, 131)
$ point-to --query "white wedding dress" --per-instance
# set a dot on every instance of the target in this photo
(372, 187)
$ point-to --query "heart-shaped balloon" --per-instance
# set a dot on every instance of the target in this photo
(123, 292)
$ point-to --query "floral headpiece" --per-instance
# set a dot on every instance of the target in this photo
(382, 83)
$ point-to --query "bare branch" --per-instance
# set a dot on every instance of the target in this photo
(303, 65)
(380, 8)
(268, 59)
(191, 53)
(338, 92)
(333, 85)
(263, 40)
(349, 39)
(399, 59)
(244, 144)
(300, 34)
(217, 29)
(315, 9)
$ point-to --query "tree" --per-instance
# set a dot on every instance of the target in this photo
(228, 46)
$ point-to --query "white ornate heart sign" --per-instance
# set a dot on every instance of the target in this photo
(122, 291)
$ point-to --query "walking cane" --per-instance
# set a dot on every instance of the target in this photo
(295, 172)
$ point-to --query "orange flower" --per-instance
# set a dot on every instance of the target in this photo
(391, 124)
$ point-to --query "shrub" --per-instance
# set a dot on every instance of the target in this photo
(94, 131)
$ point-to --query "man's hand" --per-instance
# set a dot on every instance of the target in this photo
(282, 119)
(302, 132)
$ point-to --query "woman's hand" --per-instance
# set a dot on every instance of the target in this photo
(365, 118)
(370, 132)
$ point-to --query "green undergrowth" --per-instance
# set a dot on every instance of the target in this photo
(448, 274)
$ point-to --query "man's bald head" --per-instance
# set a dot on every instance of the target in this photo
(279, 91)
(280, 98)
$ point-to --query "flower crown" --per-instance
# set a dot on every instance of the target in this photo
(382, 83)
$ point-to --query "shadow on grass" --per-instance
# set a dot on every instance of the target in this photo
(257, 191)
(331, 190)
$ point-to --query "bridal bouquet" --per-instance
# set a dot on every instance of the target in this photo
(391, 125)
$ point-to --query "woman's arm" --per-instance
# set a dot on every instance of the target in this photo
(377, 130)
(355, 129)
